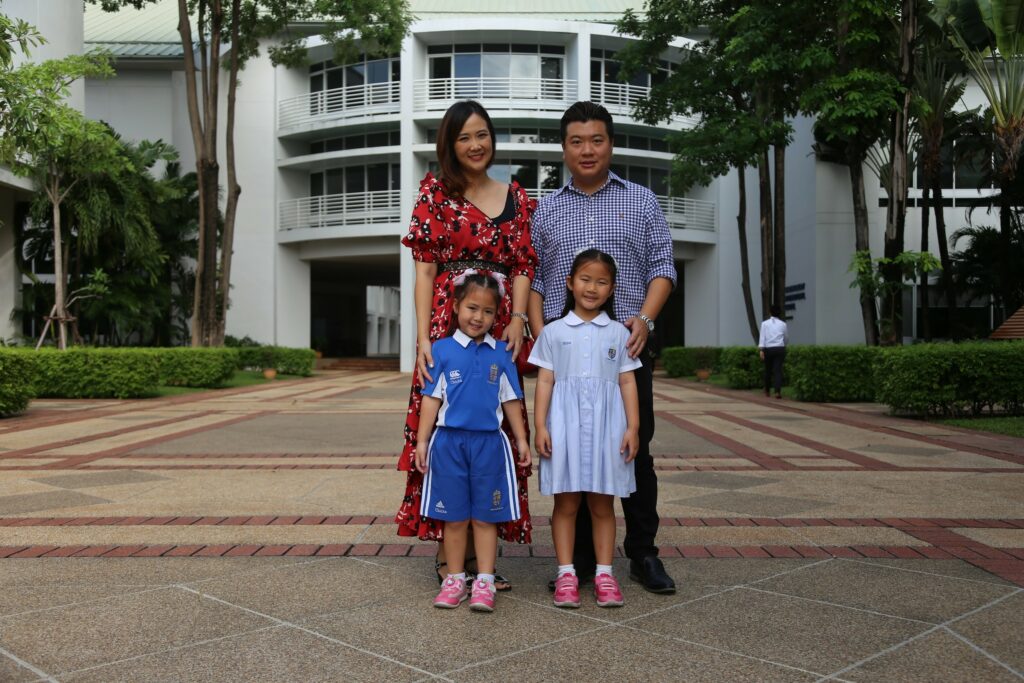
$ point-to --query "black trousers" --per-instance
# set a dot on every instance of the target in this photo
(640, 508)
(773, 358)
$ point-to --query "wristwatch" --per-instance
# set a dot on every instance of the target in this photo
(648, 321)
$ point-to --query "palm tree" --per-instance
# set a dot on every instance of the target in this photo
(976, 269)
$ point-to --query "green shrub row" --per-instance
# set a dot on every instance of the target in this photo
(286, 361)
(923, 379)
(197, 367)
(16, 372)
(952, 379)
(682, 361)
(96, 373)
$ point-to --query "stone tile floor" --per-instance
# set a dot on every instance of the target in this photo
(246, 535)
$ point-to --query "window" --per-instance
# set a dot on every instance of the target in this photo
(656, 179)
(496, 70)
(341, 84)
(379, 177)
(605, 70)
(390, 138)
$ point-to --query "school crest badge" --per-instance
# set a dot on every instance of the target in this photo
(492, 377)
(611, 354)
(496, 499)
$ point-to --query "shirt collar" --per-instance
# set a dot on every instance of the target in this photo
(464, 339)
(611, 177)
(573, 320)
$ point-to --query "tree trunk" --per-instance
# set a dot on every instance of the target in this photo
(231, 208)
(926, 326)
(947, 266)
(895, 224)
(206, 269)
(779, 231)
(765, 187)
(868, 310)
(741, 223)
(59, 310)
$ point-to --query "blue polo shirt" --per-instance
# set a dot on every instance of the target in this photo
(472, 380)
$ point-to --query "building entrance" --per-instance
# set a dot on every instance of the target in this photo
(355, 307)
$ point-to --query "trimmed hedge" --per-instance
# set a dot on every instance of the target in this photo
(97, 373)
(831, 374)
(682, 361)
(197, 367)
(742, 367)
(953, 379)
(287, 361)
(17, 369)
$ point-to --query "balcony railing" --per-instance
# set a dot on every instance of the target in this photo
(535, 94)
(338, 210)
(620, 98)
(340, 103)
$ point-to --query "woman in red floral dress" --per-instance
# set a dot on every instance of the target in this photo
(462, 220)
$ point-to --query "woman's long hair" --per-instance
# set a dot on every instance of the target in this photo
(463, 288)
(452, 174)
(589, 256)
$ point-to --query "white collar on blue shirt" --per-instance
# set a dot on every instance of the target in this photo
(573, 320)
(464, 339)
(611, 176)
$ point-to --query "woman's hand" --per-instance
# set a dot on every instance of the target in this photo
(513, 336)
(424, 361)
(630, 444)
(542, 439)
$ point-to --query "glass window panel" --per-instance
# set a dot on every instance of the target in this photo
(525, 66)
(501, 48)
(378, 71)
(596, 71)
(524, 172)
(355, 74)
(524, 48)
(640, 79)
(335, 144)
(501, 171)
(494, 66)
(618, 170)
(395, 137)
(659, 181)
(316, 147)
(432, 135)
(502, 135)
(970, 174)
(551, 67)
(659, 145)
(316, 83)
(335, 79)
(525, 135)
(396, 70)
(947, 166)
(377, 178)
(316, 184)
(638, 175)
(440, 67)
(439, 49)
(550, 136)
(550, 175)
(335, 181)
(596, 52)
(376, 139)
(396, 178)
(611, 71)
(553, 49)
(467, 66)
(355, 179)
(354, 142)
(316, 67)
(468, 47)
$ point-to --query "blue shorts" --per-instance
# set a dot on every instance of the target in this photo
(470, 475)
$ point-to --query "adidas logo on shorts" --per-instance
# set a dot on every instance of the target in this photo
(440, 507)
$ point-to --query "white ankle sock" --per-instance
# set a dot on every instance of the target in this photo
(486, 578)
(461, 576)
(603, 569)
(564, 569)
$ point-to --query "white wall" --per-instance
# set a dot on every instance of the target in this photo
(62, 23)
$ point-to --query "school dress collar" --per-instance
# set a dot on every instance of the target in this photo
(464, 339)
(573, 320)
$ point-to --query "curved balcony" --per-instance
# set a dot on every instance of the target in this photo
(339, 210)
(620, 98)
(341, 103)
(530, 94)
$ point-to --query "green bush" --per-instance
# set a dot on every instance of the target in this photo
(197, 367)
(287, 361)
(682, 361)
(952, 379)
(97, 373)
(742, 367)
(832, 373)
(17, 368)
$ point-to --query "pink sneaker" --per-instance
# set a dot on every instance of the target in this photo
(567, 591)
(482, 599)
(607, 592)
(453, 593)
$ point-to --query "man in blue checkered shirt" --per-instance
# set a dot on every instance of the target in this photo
(599, 210)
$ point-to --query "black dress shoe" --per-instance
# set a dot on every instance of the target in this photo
(650, 573)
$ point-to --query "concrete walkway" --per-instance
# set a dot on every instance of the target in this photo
(246, 535)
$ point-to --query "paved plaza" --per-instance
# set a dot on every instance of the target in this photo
(246, 535)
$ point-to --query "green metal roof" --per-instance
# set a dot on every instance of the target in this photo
(153, 31)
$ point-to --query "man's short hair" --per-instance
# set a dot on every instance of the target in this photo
(776, 311)
(581, 112)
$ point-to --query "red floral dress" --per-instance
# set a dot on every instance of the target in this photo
(445, 229)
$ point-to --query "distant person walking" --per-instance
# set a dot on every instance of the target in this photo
(772, 343)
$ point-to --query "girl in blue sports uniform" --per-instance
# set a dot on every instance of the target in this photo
(587, 421)
(470, 473)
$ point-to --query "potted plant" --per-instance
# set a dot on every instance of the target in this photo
(267, 362)
(703, 362)
(318, 345)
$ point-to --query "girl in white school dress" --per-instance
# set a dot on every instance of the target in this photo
(587, 421)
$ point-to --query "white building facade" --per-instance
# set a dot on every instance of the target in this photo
(330, 158)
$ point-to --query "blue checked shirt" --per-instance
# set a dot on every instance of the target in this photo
(622, 219)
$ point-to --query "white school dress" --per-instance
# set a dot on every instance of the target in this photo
(587, 417)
